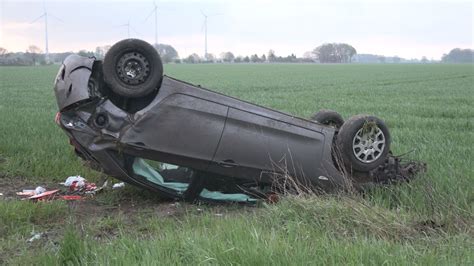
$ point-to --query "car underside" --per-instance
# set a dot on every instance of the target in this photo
(125, 118)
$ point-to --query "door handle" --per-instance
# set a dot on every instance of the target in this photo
(228, 163)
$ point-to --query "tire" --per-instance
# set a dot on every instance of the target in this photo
(363, 143)
(132, 68)
(328, 118)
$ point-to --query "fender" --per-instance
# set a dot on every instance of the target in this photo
(71, 83)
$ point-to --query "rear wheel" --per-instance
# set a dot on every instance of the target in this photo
(363, 143)
(328, 117)
(132, 68)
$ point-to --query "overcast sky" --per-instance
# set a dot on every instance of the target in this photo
(409, 29)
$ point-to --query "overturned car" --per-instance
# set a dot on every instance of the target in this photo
(127, 119)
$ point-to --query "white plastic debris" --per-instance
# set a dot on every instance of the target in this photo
(118, 185)
(39, 190)
(77, 181)
(32, 192)
(36, 236)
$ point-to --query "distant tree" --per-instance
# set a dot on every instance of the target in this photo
(334, 53)
(271, 56)
(458, 55)
(381, 59)
(3, 51)
(246, 59)
(211, 58)
(346, 52)
(325, 53)
(85, 53)
(289, 59)
(59, 57)
(100, 51)
(424, 60)
(192, 59)
(228, 57)
(396, 59)
(238, 59)
(167, 52)
(264, 58)
(309, 55)
(34, 49)
(33, 52)
(254, 58)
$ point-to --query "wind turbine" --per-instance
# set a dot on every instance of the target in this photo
(45, 16)
(154, 11)
(129, 26)
(205, 30)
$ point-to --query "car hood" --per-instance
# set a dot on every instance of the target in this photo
(71, 83)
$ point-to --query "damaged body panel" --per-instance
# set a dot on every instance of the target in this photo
(219, 143)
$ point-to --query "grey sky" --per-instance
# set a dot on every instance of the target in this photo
(408, 28)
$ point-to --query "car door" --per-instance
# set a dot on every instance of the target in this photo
(181, 129)
(254, 146)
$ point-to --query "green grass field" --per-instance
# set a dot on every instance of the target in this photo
(428, 108)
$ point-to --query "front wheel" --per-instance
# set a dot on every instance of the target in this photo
(363, 143)
(132, 68)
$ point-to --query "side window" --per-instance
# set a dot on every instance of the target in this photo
(178, 179)
(162, 174)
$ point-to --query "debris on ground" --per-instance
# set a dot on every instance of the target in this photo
(31, 192)
(118, 185)
(78, 184)
(77, 189)
(35, 236)
(104, 185)
(47, 195)
(74, 182)
(71, 197)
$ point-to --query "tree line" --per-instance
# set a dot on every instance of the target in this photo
(325, 53)
(458, 55)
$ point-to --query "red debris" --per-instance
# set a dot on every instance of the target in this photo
(45, 195)
(71, 197)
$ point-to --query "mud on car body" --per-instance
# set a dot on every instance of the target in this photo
(183, 141)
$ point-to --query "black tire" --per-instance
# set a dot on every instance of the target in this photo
(132, 68)
(329, 118)
(366, 151)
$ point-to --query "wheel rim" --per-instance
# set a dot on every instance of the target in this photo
(368, 143)
(133, 68)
